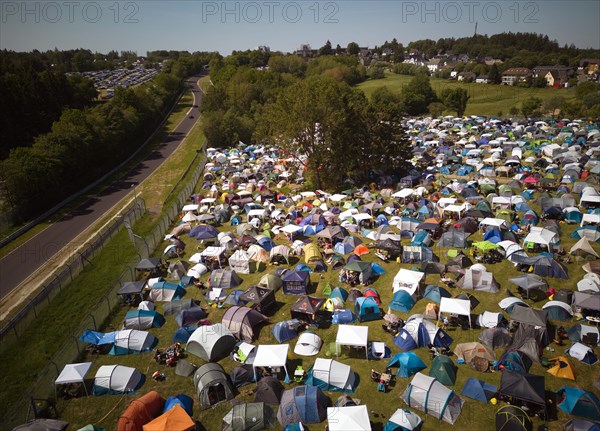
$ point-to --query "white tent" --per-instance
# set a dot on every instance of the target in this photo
(132, 340)
(511, 301)
(190, 207)
(308, 344)
(272, 356)
(73, 373)
(116, 379)
(189, 217)
(355, 418)
(461, 307)
(240, 262)
(427, 394)
(407, 280)
(334, 374)
(489, 319)
(590, 219)
(403, 194)
(211, 342)
(197, 271)
(350, 335)
(406, 419)
(579, 351)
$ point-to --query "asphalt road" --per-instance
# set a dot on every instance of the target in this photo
(18, 265)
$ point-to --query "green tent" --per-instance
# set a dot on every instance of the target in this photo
(444, 370)
(248, 417)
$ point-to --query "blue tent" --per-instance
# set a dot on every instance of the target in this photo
(285, 331)
(573, 217)
(366, 309)
(405, 341)
(408, 364)
(578, 402)
(302, 267)
(178, 291)
(527, 194)
(521, 207)
(320, 266)
(204, 231)
(182, 335)
(339, 292)
(97, 338)
(377, 269)
(306, 404)
(343, 248)
(515, 361)
(341, 317)
(436, 293)
(589, 231)
(184, 401)
(422, 238)
(531, 218)
(402, 301)
(478, 390)
(266, 243)
(382, 220)
(190, 316)
(493, 235)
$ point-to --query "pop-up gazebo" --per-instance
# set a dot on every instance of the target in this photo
(74, 373)
(350, 335)
(271, 355)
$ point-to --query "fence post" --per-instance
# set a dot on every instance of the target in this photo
(94, 321)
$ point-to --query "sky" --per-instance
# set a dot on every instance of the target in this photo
(225, 26)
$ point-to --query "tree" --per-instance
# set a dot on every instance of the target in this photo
(585, 88)
(531, 107)
(456, 99)
(326, 49)
(494, 76)
(436, 109)
(554, 104)
(513, 111)
(418, 94)
(353, 48)
(377, 72)
(323, 120)
(338, 50)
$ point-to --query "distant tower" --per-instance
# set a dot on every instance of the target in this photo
(475, 29)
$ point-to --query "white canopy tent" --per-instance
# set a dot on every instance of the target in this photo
(494, 222)
(407, 280)
(350, 335)
(74, 373)
(355, 418)
(460, 307)
(539, 235)
(272, 356)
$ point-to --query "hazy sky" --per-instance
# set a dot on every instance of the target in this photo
(283, 25)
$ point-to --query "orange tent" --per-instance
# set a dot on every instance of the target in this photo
(140, 412)
(175, 419)
(360, 250)
(562, 368)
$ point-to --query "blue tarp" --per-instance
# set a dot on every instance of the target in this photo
(98, 338)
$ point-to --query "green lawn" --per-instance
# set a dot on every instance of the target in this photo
(475, 416)
(486, 99)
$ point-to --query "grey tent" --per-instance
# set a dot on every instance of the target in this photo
(271, 281)
(150, 264)
(248, 417)
(580, 425)
(212, 385)
(224, 279)
(482, 281)
(211, 343)
(242, 375)
(454, 238)
(43, 425)
(495, 337)
(174, 307)
(241, 321)
(461, 261)
(269, 390)
(534, 285)
(131, 288)
(584, 249)
(178, 269)
(525, 387)
(427, 394)
(184, 368)
(588, 301)
(262, 297)
(531, 336)
(306, 404)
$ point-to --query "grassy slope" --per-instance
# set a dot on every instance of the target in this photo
(71, 305)
(475, 416)
(485, 99)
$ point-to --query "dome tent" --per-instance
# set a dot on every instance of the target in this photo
(330, 375)
(306, 404)
(211, 343)
(403, 420)
(408, 364)
(512, 418)
(241, 321)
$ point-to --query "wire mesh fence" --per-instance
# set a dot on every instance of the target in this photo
(72, 348)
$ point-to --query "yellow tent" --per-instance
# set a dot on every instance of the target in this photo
(311, 252)
(562, 368)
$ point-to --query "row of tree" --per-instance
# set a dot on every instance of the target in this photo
(85, 143)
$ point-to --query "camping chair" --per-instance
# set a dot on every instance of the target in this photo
(299, 374)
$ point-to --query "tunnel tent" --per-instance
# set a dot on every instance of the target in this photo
(348, 418)
(211, 343)
(132, 341)
(117, 379)
(427, 394)
(248, 417)
(212, 385)
(331, 375)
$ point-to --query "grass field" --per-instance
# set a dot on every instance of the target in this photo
(486, 99)
(104, 411)
(56, 323)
